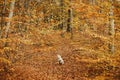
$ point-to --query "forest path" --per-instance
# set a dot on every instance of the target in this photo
(40, 63)
(82, 56)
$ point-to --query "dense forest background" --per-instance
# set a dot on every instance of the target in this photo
(86, 33)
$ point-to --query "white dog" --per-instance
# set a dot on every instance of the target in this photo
(60, 60)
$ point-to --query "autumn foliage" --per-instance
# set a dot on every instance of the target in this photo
(38, 31)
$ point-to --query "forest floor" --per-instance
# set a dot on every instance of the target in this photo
(85, 58)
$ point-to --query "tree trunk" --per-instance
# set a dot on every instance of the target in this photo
(69, 25)
(10, 17)
(61, 10)
(69, 21)
(111, 28)
(60, 4)
(2, 17)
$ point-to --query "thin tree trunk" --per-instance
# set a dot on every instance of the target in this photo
(10, 17)
(111, 28)
(2, 18)
(60, 4)
(61, 17)
(70, 19)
